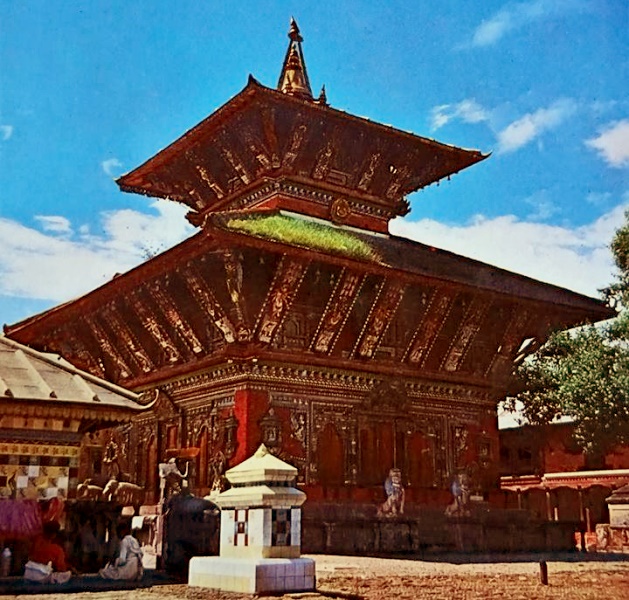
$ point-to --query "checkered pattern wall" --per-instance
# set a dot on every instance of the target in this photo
(280, 527)
(37, 471)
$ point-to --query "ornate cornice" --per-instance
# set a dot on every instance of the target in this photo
(331, 382)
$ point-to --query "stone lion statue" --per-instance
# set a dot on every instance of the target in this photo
(461, 491)
(394, 504)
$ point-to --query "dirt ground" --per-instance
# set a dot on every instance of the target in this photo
(575, 577)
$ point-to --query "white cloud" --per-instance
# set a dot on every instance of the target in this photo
(54, 224)
(575, 258)
(613, 144)
(515, 16)
(468, 111)
(111, 166)
(6, 131)
(530, 126)
(543, 206)
(45, 266)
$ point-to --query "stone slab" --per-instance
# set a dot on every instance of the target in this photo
(252, 576)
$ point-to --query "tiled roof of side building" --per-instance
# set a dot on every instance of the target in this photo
(28, 375)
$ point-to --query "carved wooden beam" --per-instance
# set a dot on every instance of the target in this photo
(75, 344)
(202, 293)
(153, 327)
(282, 292)
(108, 347)
(233, 271)
(111, 316)
(514, 332)
(299, 133)
(337, 311)
(367, 176)
(429, 326)
(174, 317)
(231, 158)
(380, 316)
(469, 327)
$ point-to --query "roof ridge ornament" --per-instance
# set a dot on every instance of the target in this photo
(294, 77)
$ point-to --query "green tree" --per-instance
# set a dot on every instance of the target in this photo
(583, 374)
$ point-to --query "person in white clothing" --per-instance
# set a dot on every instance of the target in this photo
(128, 565)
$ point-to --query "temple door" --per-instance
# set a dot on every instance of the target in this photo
(330, 458)
(377, 452)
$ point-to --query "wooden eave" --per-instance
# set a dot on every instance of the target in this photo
(49, 408)
(256, 102)
(453, 271)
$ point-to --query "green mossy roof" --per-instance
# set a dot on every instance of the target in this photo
(303, 233)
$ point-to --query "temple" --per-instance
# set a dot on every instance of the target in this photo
(293, 318)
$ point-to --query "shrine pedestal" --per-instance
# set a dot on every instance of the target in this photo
(260, 532)
(253, 576)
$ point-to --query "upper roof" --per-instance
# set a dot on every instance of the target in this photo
(264, 134)
(27, 375)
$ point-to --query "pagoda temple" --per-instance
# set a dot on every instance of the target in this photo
(294, 318)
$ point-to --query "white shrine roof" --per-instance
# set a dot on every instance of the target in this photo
(262, 468)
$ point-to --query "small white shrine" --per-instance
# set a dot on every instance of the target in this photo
(260, 532)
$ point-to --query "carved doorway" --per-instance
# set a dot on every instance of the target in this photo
(330, 462)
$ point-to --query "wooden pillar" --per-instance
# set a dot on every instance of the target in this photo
(249, 407)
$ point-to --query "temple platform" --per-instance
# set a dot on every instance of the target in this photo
(18, 586)
(252, 575)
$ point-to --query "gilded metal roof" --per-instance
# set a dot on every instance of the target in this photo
(28, 375)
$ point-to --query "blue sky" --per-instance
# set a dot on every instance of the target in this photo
(89, 90)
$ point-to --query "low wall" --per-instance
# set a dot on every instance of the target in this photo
(338, 529)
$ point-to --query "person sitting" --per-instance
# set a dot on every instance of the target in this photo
(128, 565)
(47, 560)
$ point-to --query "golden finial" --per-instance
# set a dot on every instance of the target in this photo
(294, 78)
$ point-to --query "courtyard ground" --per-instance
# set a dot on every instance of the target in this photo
(570, 576)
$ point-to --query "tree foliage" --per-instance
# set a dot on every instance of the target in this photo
(583, 374)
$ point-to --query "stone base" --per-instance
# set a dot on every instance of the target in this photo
(252, 575)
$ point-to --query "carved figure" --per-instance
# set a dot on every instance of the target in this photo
(123, 493)
(461, 496)
(217, 467)
(172, 480)
(602, 536)
(394, 504)
(88, 491)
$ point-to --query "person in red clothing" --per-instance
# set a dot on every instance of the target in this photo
(47, 562)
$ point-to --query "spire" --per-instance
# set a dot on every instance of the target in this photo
(294, 77)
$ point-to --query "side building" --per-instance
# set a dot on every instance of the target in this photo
(294, 318)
